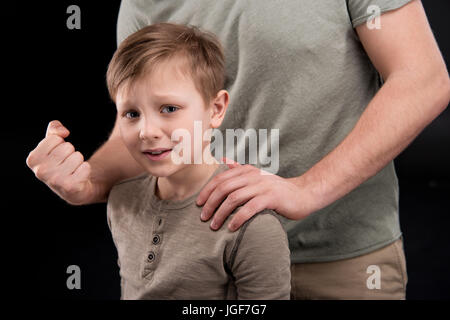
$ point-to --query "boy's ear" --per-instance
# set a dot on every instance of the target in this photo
(219, 107)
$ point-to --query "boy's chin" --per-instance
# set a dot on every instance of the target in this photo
(163, 172)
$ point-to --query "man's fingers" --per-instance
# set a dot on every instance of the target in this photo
(60, 153)
(55, 127)
(42, 150)
(54, 174)
(54, 136)
(219, 179)
(71, 163)
(234, 200)
(224, 190)
(251, 208)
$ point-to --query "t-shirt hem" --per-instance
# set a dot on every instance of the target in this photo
(357, 21)
(299, 258)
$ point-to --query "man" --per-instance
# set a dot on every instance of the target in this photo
(314, 72)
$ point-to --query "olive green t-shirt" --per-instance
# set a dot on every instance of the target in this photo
(297, 66)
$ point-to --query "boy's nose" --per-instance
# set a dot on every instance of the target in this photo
(150, 131)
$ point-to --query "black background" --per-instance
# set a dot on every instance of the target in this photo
(60, 74)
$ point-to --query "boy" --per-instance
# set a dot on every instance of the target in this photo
(164, 78)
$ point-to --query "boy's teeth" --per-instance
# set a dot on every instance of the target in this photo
(157, 152)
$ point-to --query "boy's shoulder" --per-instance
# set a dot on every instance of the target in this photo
(265, 224)
(264, 221)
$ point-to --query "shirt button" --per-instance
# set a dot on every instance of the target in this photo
(156, 239)
(151, 256)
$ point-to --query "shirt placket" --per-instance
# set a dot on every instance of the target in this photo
(153, 254)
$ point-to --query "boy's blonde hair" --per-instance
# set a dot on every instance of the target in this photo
(159, 42)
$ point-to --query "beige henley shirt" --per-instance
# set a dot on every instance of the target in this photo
(166, 252)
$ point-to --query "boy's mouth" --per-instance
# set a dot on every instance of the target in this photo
(157, 150)
(157, 154)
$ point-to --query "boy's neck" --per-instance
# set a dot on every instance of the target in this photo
(186, 182)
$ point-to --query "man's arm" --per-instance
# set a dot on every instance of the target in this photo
(416, 90)
(110, 164)
(56, 163)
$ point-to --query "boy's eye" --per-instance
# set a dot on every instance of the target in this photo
(131, 114)
(169, 109)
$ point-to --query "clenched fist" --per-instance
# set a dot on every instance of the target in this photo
(56, 163)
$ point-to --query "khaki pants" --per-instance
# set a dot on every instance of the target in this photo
(377, 275)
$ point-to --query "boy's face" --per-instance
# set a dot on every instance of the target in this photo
(154, 106)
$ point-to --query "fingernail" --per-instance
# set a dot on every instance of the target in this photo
(231, 226)
(213, 225)
(203, 215)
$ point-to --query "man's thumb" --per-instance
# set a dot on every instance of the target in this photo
(56, 127)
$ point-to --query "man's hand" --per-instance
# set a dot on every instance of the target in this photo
(56, 163)
(247, 184)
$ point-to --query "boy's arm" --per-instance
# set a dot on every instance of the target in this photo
(260, 261)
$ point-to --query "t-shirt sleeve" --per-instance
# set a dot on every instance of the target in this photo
(132, 17)
(260, 261)
(361, 10)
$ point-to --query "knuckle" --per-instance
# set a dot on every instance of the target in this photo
(215, 181)
(233, 197)
(68, 147)
(52, 182)
(55, 139)
(38, 173)
(79, 156)
(228, 185)
(58, 182)
(66, 186)
(219, 178)
(41, 171)
(30, 159)
(221, 188)
(85, 167)
(53, 123)
(259, 204)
